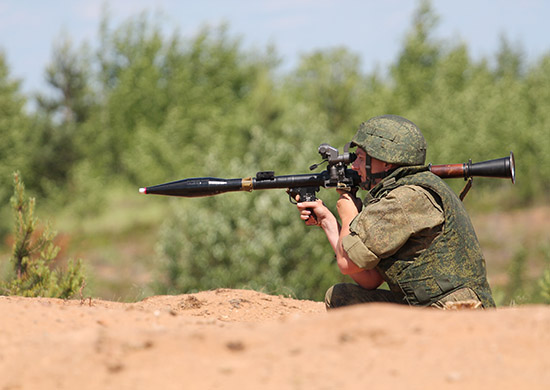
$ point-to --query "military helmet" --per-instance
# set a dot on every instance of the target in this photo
(392, 139)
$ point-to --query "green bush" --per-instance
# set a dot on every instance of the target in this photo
(34, 255)
(254, 240)
(521, 287)
(148, 108)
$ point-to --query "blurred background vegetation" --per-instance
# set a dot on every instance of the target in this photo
(147, 107)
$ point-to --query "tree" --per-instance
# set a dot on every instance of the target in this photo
(413, 74)
(69, 77)
(170, 102)
(33, 256)
(331, 81)
(251, 240)
(57, 131)
(509, 60)
(14, 129)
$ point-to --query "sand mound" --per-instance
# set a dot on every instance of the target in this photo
(239, 339)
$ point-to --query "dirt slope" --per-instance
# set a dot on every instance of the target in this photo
(238, 339)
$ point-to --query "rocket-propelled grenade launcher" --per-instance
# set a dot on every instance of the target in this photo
(337, 176)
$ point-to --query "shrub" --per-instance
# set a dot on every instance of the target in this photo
(34, 254)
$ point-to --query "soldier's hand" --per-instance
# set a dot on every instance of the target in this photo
(348, 206)
(347, 195)
(313, 213)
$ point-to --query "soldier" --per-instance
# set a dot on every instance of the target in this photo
(410, 231)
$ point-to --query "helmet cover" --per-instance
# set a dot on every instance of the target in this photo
(392, 139)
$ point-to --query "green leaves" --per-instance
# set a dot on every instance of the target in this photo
(34, 254)
(243, 241)
(150, 106)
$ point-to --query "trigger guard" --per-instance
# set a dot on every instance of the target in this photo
(292, 200)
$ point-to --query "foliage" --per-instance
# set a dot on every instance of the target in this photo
(418, 62)
(330, 80)
(68, 75)
(541, 289)
(248, 240)
(516, 288)
(14, 129)
(34, 254)
(245, 250)
(521, 287)
(544, 285)
(148, 107)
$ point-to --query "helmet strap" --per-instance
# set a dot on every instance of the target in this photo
(371, 177)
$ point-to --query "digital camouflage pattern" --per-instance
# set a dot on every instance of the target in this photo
(454, 259)
(392, 139)
(459, 299)
(407, 215)
(346, 294)
(451, 262)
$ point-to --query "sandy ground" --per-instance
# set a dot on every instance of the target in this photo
(240, 339)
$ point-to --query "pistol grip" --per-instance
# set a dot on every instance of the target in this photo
(306, 194)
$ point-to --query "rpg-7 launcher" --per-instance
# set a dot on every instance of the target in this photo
(337, 176)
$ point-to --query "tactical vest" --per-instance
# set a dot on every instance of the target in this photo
(453, 260)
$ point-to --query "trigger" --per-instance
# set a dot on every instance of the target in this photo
(290, 197)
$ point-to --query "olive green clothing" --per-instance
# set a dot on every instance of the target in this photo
(393, 139)
(346, 294)
(420, 240)
(408, 215)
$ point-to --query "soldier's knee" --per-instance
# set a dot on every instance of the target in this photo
(337, 296)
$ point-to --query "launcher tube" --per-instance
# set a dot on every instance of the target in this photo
(504, 167)
(209, 186)
(342, 178)
(448, 171)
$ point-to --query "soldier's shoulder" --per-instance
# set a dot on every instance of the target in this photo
(416, 196)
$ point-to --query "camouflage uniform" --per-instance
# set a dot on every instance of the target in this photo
(416, 233)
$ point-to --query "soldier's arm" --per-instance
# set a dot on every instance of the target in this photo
(348, 209)
(385, 226)
(328, 222)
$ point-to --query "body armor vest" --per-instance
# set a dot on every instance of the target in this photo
(452, 261)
